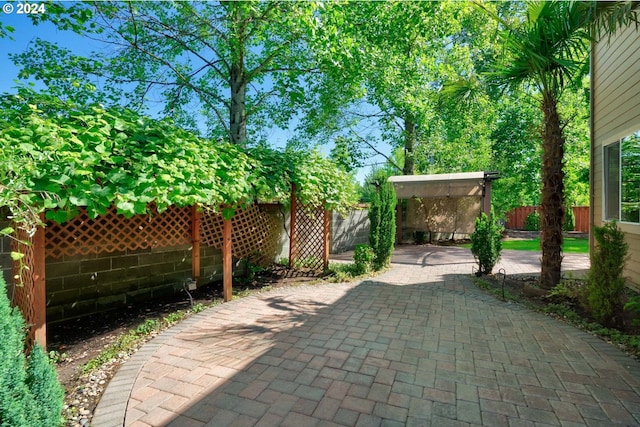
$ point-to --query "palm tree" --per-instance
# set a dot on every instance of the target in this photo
(545, 51)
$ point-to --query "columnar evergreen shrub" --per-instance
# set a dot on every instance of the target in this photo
(382, 233)
(605, 282)
(532, 223)
(30, 394)
(569, 219)
(486, 243)
(42, 380)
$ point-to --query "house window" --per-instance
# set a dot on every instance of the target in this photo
(622, 180)
(612, 181)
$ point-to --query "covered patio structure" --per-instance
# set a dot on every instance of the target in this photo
(442, 205)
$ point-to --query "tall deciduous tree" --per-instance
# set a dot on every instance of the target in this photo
(548, 50)
(389, 60)
(235, 64)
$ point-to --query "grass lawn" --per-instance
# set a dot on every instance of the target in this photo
(571, 245)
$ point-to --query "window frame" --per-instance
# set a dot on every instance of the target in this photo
(606, 184)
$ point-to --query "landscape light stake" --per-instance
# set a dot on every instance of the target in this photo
(504, 278)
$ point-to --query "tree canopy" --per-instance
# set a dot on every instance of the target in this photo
(236, 65)
(367, 77)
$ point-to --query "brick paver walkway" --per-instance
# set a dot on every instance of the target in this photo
(419, 346)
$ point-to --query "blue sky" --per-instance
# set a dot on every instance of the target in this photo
(27, 34)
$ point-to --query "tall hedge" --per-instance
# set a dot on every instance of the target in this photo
(30, 394)
(382, 216)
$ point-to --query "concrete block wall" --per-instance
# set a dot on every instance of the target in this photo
(83, 285)
(348, 231)
(283, 216)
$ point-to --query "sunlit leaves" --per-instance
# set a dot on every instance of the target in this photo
(95, 158)
(199, 59)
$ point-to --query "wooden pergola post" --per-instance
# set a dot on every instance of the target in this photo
(39, 288)
(486, 197)
(292, 226)
(326, 238)
(195, 243)
(227, 263)
(399, 222)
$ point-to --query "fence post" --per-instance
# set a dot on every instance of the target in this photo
(227, 264)
(40, 288)
(292, 226)
(326, 231)
(195, 243)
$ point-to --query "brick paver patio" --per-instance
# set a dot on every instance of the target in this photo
(417, 346)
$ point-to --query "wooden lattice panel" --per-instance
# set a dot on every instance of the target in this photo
(114, 232)
(254, 234)
(22, 292)
(309, 232)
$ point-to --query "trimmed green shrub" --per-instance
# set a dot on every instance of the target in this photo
(30, 394)
(633, 306)
(42, 380)
(532, 223)
(382, 233)
(486, 243)
(569, 220)
(363, 257)
(605, 283)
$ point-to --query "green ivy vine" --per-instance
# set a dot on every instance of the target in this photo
(57, 157)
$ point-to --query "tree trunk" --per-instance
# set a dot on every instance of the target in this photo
(237, 113)
(552, 215)
(409, 143)
(237, 76)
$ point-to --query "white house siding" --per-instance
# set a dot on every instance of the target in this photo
(615, 84)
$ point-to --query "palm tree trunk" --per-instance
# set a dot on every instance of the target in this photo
(552, 214)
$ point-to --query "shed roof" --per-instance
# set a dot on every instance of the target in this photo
(441, 185)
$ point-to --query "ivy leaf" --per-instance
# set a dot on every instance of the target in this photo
(60, 216)
(126, 208)
(119, 125)
(16, 256)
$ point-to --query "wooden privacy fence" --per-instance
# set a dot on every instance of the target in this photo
(251, 233)
(516, 218)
